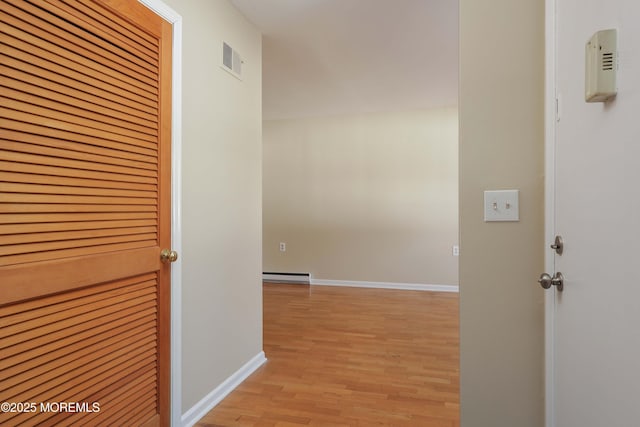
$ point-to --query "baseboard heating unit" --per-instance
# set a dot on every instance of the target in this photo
(301, 278)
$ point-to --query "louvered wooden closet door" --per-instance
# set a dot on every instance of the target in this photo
(84, 212)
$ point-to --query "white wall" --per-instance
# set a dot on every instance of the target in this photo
(369, 197)
(221, 259)
(501, 146)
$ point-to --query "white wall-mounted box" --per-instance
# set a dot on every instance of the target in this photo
(601, 63)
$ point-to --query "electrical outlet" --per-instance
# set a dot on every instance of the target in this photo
(455, 251)
(283, 247)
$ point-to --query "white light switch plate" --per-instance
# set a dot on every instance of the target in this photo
(501, 205)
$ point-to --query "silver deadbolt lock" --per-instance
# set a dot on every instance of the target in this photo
(558, 245)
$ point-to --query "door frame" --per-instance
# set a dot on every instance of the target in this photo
(552, 113)
(169, 15)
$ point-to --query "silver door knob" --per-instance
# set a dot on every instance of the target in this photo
(547, 281)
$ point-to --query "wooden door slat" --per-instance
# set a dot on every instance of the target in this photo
(65, 57)
(78, 394)
(42, 121)
(66, 190)
(48, 227)
(87, 359)
(96, 361)
(108, 114)
(65, 172)
(30, 355)
(139, 43)
(141, 412)
(12, 156)
(25, 332)
(42, 129)
(61, 356)
(96, 44)
(32, 238)
(53, 218)
(114, 393)
(126, 396)
(54, 110)
(87, 383)
(68, 77)
(153, 421)
(133, 368)
(144, 392)
(36, 44)
(81, 184)
(78, 124)
(144, 20)
(125, 126)
(146, 310)
(35, 75)
(61, 208)
(55, 254)
(33, 78)
(70, 154)
(42, 237)
(141, 370)
(29, 248)
(72, 199)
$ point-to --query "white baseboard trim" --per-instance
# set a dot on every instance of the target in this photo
(201, 408)
(386, 285)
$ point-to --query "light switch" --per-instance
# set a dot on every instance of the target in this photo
(501, 205)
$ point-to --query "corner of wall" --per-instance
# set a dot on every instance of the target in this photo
(501, 146)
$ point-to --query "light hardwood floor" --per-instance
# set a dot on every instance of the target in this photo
(351, 357)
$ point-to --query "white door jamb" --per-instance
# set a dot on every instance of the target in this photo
(169, 15)
(552, 116)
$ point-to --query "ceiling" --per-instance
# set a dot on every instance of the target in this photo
(327, 57)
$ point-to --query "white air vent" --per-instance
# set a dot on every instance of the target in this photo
(231, 60)
(607, 61)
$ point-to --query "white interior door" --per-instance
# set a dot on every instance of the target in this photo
(597, 211)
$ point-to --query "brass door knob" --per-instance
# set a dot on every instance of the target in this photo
(168, 255)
